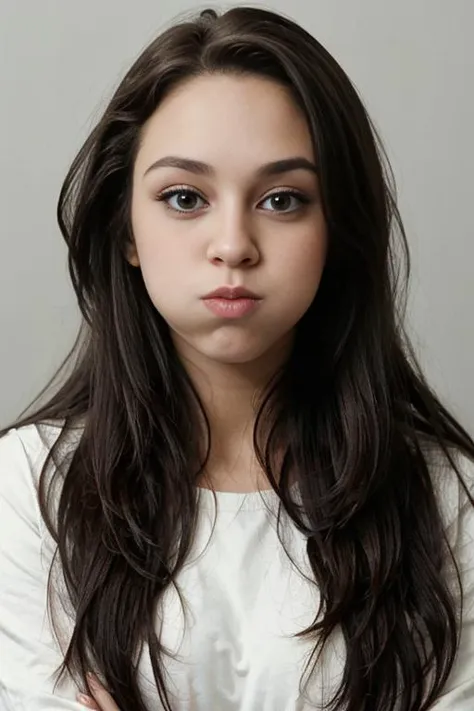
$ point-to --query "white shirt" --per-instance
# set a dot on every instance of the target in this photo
(244, 601)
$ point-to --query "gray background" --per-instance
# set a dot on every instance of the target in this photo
(412, 61)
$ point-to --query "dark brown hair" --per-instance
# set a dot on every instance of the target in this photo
(351, 408)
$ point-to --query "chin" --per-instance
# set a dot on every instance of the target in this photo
(226, 348)
(233, 356)
(235, 351)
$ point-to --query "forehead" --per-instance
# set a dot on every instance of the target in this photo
(226, 118)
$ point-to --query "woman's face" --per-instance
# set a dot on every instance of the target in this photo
(234, 219)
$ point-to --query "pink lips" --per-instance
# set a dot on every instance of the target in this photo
(231, 301)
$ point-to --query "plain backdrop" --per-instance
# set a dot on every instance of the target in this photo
(411, 60)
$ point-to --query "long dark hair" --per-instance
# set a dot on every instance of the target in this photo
(351, 409)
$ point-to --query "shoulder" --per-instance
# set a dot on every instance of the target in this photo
(30, 437)
(23, 454)
(23, 451)
(453, 484)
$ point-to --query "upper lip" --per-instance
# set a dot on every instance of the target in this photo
(231, 292)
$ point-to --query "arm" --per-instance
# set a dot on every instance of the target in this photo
(29, 653)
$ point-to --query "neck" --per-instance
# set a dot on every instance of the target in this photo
(230, 394)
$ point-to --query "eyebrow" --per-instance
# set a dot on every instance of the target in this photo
(277, 167)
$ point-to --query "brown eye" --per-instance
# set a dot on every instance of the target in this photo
(184, 200)
(281, 202)
(284, 201)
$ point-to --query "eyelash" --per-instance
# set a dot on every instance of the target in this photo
(180, 190)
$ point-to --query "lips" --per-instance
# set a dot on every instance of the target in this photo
(231, 292)
(231, 302)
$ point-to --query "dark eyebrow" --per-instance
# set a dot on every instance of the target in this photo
(265, 171)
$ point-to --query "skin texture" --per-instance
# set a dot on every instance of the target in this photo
(232, 233)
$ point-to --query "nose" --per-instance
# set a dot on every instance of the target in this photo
(232, 243)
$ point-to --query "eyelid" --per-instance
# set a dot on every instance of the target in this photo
(179, 188)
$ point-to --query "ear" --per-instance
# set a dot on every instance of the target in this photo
(131, 254)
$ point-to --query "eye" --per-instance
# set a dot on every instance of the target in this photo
(184, 199)
(187, 201)
(281, 201)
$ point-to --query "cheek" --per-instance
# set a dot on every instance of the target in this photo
(162, 255)
(163, 267)
(303, 264)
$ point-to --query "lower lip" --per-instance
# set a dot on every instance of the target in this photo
(231, 308)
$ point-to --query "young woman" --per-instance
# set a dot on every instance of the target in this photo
(245, 495)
